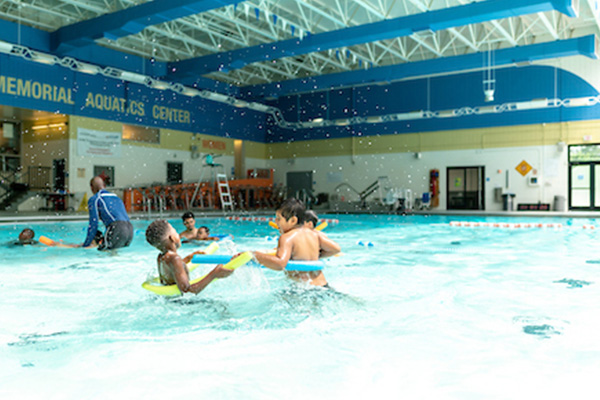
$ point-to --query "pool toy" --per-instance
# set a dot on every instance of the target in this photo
(365, 244)
(320, 227)
(263, 219)
(302, 266)
(222, 236)
(47, 241)
(173, 290)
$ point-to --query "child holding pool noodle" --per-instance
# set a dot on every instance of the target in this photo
(297, 242)
(172, 268)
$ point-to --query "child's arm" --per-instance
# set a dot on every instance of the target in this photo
(279, 261)
(189, 257)
(327, 246)
(182, 279)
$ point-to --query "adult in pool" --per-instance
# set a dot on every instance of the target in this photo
(109, 208)
(172, 268)
(298, 242)
(189, 221)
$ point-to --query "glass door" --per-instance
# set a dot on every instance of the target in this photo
(584, 177)
(465, 190)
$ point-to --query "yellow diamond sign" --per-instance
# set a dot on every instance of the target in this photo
(523, 168)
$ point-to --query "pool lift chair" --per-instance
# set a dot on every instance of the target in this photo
(218, 178)
(425, 203)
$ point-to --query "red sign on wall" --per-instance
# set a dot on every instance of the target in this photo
(213, 144)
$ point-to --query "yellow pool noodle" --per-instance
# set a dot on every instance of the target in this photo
(173, 290)
(321, 226)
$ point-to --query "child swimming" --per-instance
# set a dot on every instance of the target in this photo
(26, 237)
(172, 268)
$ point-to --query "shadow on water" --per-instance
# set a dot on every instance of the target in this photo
(573, 283)
(42, 341)
(542, 327)
(545, 331)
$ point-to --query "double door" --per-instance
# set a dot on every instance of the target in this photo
(584, 186)
(465, 189)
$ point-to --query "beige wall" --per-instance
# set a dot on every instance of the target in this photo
(146, 163)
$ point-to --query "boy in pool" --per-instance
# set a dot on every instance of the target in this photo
(203, 234)
(298, 242)
(171, 267)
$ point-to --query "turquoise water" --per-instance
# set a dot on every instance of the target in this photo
(428, 311)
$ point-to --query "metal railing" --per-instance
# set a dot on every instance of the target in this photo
(14, 182)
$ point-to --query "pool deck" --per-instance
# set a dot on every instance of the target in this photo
(45, 216)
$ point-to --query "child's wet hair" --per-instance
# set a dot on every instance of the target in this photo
(292, 207)
(311, 216)
(205, 228)
(27, 234)
(156, 232)
(188, 214)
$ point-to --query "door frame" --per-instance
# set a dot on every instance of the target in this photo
(481, 186)
(593, 188)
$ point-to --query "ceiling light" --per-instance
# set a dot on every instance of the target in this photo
(580, 102)
(44, 58)
(374, 120)
(487, 110)
(259, 107)
(161, 85)
(446, 113)
(5, 47)
(88, 68)
(410, 115)
(133, 77)
(531, 105)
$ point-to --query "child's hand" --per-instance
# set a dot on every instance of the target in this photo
(221, 272)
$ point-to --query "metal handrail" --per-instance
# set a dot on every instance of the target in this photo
(348, 185)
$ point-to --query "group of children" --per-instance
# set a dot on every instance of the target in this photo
(298, 241)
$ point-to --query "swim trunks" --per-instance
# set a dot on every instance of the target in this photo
(118, 234)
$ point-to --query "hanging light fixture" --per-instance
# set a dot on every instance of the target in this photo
(489, 77)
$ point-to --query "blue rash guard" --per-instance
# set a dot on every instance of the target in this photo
(107, 207)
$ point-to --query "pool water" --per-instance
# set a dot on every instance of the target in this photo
(428, 310)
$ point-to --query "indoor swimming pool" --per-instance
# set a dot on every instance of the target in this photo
(420, 308)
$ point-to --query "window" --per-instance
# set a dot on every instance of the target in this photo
(584, 153)
(107, 173)
(174, 173)
(143, 134)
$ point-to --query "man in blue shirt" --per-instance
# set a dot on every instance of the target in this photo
(108, 208)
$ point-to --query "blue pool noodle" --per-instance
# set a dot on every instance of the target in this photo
(302, 266)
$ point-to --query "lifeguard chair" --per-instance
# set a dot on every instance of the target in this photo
(217, 178)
